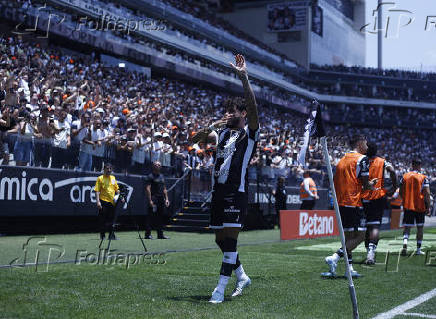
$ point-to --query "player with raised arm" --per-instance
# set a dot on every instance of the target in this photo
(236, 136)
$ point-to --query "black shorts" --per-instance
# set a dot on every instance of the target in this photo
(353, 218)
(228, 207)
(374, 210)
(411, 217)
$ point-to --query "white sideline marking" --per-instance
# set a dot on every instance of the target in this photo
(421, 315)
(407, 305)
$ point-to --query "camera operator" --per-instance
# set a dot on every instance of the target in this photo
(8, 124)
(106, 191)
(43, 143)
(158, 201)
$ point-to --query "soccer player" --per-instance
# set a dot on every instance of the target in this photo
(236, 143)
(374, 201)
(351, 178)
(308, 192)
(415, 191)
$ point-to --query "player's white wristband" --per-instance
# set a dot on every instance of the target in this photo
(116, 197)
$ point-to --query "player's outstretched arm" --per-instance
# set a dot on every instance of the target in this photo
(240, 69)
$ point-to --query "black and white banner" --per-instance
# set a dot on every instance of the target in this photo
(35, 191)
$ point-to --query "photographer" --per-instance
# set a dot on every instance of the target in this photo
(43, 142)
(24, 139)
(9, 124)
(106, 192)
(122, 154)
(158, 201)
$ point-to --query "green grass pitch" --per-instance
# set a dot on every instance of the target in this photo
(286, 281)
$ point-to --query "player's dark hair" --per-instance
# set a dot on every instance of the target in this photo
(416, 162)
(108, 165)
(372, 149)
(235, 102)
(355, 139)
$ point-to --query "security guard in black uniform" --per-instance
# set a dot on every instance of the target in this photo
(157, 196)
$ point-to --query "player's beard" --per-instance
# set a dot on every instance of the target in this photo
(234, 122)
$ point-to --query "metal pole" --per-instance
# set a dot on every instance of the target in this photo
(309, 37)
(380, 36)
(341, 230)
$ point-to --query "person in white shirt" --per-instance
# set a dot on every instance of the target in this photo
(138, 154)
(167, 149)
(61, 140)
(157, 147)
(97, 137)
(79, 131)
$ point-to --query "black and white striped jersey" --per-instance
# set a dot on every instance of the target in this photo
(234, 151)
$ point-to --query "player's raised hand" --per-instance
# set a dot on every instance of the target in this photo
(240, 67)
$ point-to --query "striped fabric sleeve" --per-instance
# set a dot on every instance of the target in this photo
(362, 166)
(425, 183)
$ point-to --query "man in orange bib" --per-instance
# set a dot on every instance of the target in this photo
(351, 178)
(415, 191)
(374, 201)
(308, 192)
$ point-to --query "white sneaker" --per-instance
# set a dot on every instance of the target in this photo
(217, 297)
(332, 264)
(419, 252)
(240, 285)
(370, 258)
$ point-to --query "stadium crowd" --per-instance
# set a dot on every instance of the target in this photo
(62, 110)
(392, 73)
(331, 86)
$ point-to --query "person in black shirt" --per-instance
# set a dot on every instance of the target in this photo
(158, 201)
(236, 144)
(280, 196)
(8, 124)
